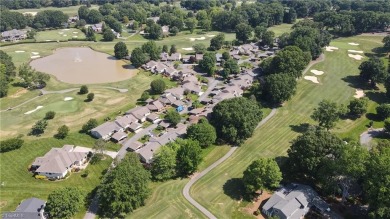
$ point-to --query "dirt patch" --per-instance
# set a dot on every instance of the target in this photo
(3, 204)
(260, 201)
(114, 101)
(18, 93)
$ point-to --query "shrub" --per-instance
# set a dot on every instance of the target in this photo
(50, 115)
(387, 125)
(145, 95)
(40, 177)
(96, 158)
(39, 127)
(383, 111)
(11, 144)
(62, 132)
(83, 89)
(90, 97)
(92, 123)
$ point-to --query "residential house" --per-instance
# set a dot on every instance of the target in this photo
(167, 99)
(119, 136)
(165, 30)
(179, 105)
(164, 56)
(192, 119)
(154, 118)
(133, 146)
(186, 58)
(236, 57)
(117, 35)
(98, 28)
(155, 19)
(198, 57)
(56, 163)
(177, 92)
(125, 121)
(218, 56)
(106, 130)
(140, 113)
(150, 65)
(73, 19)
(155, 106)
(293, 202)
(165, 124)
(194, 88)
(196, 111)
(174, 57)
(32, 208)
(146, 153)
(243, 81)
(135, 127)
(170, 72)
(13, 35)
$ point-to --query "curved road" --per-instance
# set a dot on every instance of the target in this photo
(187, 187)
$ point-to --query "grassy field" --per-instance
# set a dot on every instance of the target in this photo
(280, 29)
(71, 11)
(73, 113)
(60, 35)
(18, 183)
(217, 191)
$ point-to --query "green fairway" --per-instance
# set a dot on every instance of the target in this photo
(60, 34)
(73, 113)
(273, 139)
(71, 11)
(19, 184)
(280, 29)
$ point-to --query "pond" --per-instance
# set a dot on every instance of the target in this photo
(83, 65)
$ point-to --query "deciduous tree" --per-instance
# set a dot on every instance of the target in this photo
(189, 156)
(64, 203)
(173, 117)
(202, 132)
(138, 57)
(358, 107)
(62, 132)
(125, 188)
(373, 71)
(243, 32)
(157, 86)
(261, 174)
(39, 127)
(326, 114)
(92, 123)
(278, 88)
(120, 50)
(83, 89)
(383, 111)
(164, 164)
(216, 42)
(235, 119)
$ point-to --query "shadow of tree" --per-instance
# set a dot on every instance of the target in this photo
(234, 188)
(301, 128)
(373, 117)
(376, 96)
(355, 82)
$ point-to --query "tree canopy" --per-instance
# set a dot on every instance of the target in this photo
(235, 119)
(125, 188)
(164, 164)
(326, 114)
(64, 203)
(120, 50)
(278, 88)
(138, 57)
(157, 86)
(243, 32)
(261, 174)
(208, 62)
(230, 67)
(358, 107)
(173, 117)
(202, 132)
(189, 156)
(373, 71)
(217, 42)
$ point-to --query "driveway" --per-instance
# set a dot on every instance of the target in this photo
(366, 137)
(112, 154)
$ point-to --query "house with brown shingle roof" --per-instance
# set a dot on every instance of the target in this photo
(139, 113)
(155, 106)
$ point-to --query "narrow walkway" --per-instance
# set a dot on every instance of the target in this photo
(187, 187)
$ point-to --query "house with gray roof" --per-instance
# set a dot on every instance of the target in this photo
(125, 121)
(118, 136)
(13, 35)
(134, 127)
(167, 99)
(32, 208)
(133, 146)
(139, 113)
(293, 202)
(98, 28)
(155, 106)
(165, 30)
(154, 118)
(106, 130)
(56, 163)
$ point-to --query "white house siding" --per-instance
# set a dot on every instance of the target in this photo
(53, 175)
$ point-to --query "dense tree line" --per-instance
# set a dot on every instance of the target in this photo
(49, 19)
(13, 20)
(11, 144)
(64, 203)
(7, 72)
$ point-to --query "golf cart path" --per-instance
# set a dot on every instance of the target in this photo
(321, 58)
(187, 187)
(366, 137)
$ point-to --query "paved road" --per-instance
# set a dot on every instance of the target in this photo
(366, 137)
(212, 84)
(187, 187)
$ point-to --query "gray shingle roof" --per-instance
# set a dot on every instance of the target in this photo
(106, 128)
(31, 205)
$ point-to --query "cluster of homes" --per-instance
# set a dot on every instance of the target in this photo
(13, 35)
(98, 28)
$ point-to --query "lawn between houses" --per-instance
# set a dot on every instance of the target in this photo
(271, 140)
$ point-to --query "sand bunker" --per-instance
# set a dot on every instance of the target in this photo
(65, 29)
(200, 38)
(312, 79)
(211, 35)
(187, 49)
(35, 53)
(354, 44)
(359, 93)
(357, 57)
(331, 48)
(48, 40)
(20, 51)
(65, 35)
(35, 57)
(68, 98)
(75, 32)
(60, 33)
(316, 72)
(355, 51)
(31, 111)
(74, 36)
(33, 13)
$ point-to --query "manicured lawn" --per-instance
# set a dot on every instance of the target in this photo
(18, 183)
(273, 139)
(60, 34)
